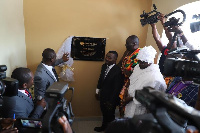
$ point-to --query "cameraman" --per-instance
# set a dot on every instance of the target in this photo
(175, 82)
(22, 105)
(164, 49)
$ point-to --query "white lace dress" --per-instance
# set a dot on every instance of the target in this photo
(140, 78)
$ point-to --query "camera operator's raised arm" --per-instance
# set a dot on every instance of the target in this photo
(156, 37)
(180, 33)
(162, 19)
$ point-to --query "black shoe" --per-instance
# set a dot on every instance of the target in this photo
(99, 129)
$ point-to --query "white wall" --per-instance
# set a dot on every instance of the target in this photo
(165, 7)
(12, 35)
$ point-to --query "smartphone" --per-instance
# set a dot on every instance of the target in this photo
(31, 123)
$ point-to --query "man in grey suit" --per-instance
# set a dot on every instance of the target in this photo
(21, 105)
(45, 74)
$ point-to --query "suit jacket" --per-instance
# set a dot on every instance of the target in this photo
(22, 106)
(43, 79)
(111, 86)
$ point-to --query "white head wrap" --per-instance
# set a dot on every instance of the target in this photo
(147, 54)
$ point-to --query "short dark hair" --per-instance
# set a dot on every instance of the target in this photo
(133, 39)
(114, 52)
(48, 53)
(22, 75)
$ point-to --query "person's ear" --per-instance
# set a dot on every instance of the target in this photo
(25, 85)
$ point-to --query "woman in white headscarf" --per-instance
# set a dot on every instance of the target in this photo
(146, 73)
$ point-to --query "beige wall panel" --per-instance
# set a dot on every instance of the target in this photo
(12, 35)
(49, 22)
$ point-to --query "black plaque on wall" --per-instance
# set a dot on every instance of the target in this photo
(88, 48)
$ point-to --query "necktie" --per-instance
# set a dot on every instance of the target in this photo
(28, 93)
(54, 71)
(106, 72)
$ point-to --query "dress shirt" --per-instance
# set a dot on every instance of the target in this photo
(50, 69)
(23, 91)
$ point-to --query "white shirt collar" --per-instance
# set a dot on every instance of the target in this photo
(23, 91)
(111, 66)
(50, 69)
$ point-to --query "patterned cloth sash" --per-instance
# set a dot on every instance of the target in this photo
(130, 61)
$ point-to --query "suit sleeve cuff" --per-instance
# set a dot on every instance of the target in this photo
(97, 91)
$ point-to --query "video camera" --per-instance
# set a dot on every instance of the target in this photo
(188, 67)
(168, 115)
(148, 18)
(3, 68)
(6, 82)
(57, 105)
(152, 17)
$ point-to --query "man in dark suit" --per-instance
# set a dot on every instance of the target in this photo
(108, 88)
(45, 74)
(22, 105)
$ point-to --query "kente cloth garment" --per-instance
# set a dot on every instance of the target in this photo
(140, 78)
(130, 61)
(127, 63)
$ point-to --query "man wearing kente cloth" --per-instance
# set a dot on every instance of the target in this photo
(127, 64)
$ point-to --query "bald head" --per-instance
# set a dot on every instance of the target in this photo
(132, 43)
(132, 39)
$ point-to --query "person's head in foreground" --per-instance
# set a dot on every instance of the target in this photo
(24, 76)
(111, 58)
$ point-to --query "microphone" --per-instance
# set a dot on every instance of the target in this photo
(40, 98)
